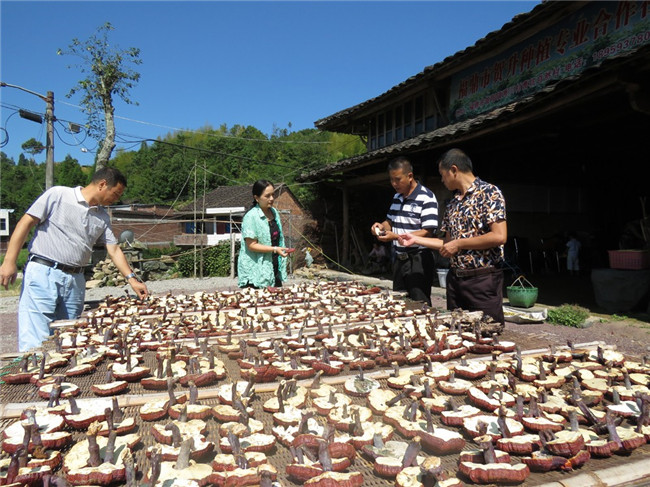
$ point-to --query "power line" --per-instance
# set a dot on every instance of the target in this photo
(225, 136)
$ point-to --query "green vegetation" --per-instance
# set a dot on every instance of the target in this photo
(568, 315)
(20, 261)
(216, 262)
(163, 171)
(108, 75)
(156, 253)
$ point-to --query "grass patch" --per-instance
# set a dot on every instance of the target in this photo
(568, 315)
(14, 289)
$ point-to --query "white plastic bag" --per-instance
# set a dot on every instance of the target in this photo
(518, 315)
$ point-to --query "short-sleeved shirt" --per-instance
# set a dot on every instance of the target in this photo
(417, 211)
(256, 268)
(69, 226)
(470, 216)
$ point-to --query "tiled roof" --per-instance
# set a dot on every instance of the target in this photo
(228, 197)
(223, 197)
(518, 23)
(454, 131)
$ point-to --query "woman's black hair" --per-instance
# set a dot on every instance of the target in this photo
(259, 186)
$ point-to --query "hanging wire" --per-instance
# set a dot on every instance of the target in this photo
(5, 137)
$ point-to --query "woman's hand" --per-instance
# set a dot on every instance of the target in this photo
(407, 239)
(282, 251)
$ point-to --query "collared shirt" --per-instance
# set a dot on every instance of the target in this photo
(417, 211)
(471, 215)
(256, 268)
(69, 226)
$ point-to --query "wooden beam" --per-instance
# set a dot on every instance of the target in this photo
(345, 253)
(378, 177)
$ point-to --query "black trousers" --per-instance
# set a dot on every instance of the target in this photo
(415, 275)
(477, 293)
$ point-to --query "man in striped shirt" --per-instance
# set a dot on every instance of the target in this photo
(414, 210)
(67, 222)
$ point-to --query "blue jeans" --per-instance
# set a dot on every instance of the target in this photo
(47, 295)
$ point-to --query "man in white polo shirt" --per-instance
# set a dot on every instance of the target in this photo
(68, 222)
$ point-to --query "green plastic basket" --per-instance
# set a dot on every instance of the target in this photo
(521, 296)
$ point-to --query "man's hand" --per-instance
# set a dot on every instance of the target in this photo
(8, 273)
(378, 230)
(140, 288)
(449, 249)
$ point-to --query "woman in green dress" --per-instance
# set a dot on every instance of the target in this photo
(262, 257)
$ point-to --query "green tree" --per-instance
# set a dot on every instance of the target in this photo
(33, 146)
(69, 173)
(22, 183)
(107, 72)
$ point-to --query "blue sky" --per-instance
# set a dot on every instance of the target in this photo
(209, 62)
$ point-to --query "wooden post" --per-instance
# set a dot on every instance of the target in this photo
(345, 253)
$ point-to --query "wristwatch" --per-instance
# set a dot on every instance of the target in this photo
(133, 274)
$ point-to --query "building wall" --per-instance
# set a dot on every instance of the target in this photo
(150, 233)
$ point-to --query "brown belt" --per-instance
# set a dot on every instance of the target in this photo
(475, 272)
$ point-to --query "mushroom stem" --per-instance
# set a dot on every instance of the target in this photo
(94, 460)
(611, 428)
(176, 434)
(411, 454)
(194, 392)
(156, 464)
(74, 409)
(489, 456)
(324, 456)
(55, 396)
(170, 391)
(183, 460)
(109, 452)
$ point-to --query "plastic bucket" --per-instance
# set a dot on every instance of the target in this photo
(442, 277)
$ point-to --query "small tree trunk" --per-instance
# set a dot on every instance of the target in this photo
(108, 144)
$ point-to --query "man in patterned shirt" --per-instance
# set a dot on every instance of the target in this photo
(414, 209)
(475, 233)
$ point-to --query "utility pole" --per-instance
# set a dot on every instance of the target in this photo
(49, 120)
(49, 148)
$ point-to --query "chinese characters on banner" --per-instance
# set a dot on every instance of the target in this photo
(593, 33)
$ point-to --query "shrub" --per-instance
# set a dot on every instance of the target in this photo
(155, 253)
(568, 315)
(216, 261)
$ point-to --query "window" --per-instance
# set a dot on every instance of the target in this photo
(398, 124)
(408, 119)
(373, 142)
(419, 115)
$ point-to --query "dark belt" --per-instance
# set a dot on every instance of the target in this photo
(475, 272)
(56, 265)
(407, 254)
